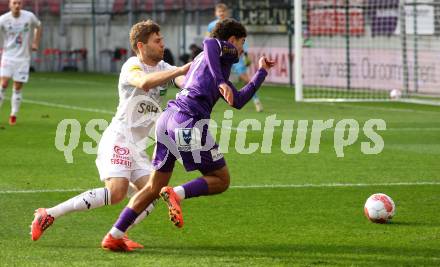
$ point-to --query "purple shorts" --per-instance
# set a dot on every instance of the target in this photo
(181, 136)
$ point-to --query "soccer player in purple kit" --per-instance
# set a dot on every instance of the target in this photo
(182, 130)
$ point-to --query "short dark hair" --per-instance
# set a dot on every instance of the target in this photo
(221, 6)
(141, 31)
(227, 28)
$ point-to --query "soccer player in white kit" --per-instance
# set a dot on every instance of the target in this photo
(17, 28)
(122, 161)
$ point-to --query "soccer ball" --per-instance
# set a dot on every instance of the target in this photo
(395, 94)
(379, 208)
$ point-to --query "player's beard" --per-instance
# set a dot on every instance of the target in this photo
(157, 57)
(16, 12)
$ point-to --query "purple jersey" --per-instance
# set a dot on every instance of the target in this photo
(209, 69)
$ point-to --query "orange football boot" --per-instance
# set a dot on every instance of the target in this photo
(12, 120)
(114, 244)
(172, 199)
(41, 222)
(130, 243)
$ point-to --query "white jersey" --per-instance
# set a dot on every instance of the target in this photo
(17, 34)
(138, 109)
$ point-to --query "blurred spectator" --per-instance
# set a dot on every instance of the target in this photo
(168, 56)
(195, 50)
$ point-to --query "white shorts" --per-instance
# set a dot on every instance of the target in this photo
(17, 69)
(117, 158)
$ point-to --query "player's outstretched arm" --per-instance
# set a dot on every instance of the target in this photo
(238, 99)
(146, 81)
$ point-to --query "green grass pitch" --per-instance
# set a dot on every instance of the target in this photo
(288, 224)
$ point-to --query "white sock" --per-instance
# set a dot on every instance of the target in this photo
(2, 95)
(144, 213)
(180, 191)
(88, 200)
(15, 101)
(116, 233)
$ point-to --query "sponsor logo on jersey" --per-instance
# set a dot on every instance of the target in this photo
(188, 139)
(229, 51)
(216, 155)
(145, 108)
(121, 161)
(121, 151)
(120, 156)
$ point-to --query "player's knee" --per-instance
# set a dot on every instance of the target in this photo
(225, 181)
(4, 84)
(117, 195)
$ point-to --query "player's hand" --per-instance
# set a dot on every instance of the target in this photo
(184, 69)
(226, 92)
(34, 47)
(265, 63)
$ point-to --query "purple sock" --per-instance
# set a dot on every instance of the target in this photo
(195, 188)
(126, 218)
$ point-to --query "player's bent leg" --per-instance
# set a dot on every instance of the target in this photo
(117, 187)
(212, 182)
(140, 183)
(136, 186)
(150, 191)
(113, 193)
(138, 203)
(218, 180)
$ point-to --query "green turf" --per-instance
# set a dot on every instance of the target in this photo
(291, 226)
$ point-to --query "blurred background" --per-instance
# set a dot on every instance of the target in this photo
(360, 49)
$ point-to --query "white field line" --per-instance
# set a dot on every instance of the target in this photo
(350, 104)
(55, 105)
(102, 111)
(256, 186)
(68, 81)
(406, 129)
(49, 104)
(381, 108)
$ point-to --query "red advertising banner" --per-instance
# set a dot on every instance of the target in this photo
(380, 69)
(329, 18)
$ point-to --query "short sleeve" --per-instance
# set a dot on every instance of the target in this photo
(35, 21)
(129, 66)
